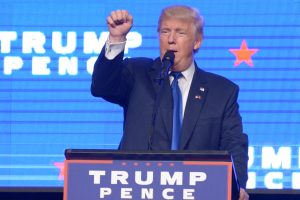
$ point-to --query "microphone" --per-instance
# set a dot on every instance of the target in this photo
(167, 63)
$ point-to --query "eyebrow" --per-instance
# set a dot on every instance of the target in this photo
(176, 30)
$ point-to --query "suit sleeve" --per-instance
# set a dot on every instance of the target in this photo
(233, 138)
(111, 79)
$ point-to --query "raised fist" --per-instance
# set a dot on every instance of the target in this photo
(119, 23)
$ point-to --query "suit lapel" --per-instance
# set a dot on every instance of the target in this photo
(194, 105)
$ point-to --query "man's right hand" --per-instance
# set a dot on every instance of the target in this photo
(119, 23)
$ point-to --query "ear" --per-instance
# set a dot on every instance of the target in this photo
(197, 43)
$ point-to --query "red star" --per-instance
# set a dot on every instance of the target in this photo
(60, 166)
(243, 54)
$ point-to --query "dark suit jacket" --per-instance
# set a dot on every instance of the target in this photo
(211, 120)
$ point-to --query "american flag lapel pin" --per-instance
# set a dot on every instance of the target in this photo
(198, 97)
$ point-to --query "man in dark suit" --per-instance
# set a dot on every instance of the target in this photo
(206, 116)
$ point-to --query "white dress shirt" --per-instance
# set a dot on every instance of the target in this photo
(184, 84)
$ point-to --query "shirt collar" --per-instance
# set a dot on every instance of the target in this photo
(189, 72)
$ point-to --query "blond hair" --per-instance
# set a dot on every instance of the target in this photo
(183, 13)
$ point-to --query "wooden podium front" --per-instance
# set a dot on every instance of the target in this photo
(103, 174)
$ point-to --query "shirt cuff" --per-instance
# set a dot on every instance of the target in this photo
(113, 49)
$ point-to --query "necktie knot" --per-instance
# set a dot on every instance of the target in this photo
(176, 75)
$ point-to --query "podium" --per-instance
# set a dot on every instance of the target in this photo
(113, 174)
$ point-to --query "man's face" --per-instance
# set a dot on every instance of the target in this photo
(178, 36)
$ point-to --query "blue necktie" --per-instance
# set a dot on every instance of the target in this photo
(177, 110)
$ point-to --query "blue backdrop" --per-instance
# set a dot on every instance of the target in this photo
(48, 48)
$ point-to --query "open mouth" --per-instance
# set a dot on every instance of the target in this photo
(175, 51)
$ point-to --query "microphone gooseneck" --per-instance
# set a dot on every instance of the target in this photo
(167, 63)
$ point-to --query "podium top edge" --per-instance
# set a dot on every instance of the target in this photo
(104, 154)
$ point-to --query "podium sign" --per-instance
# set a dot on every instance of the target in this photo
(138, 178)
